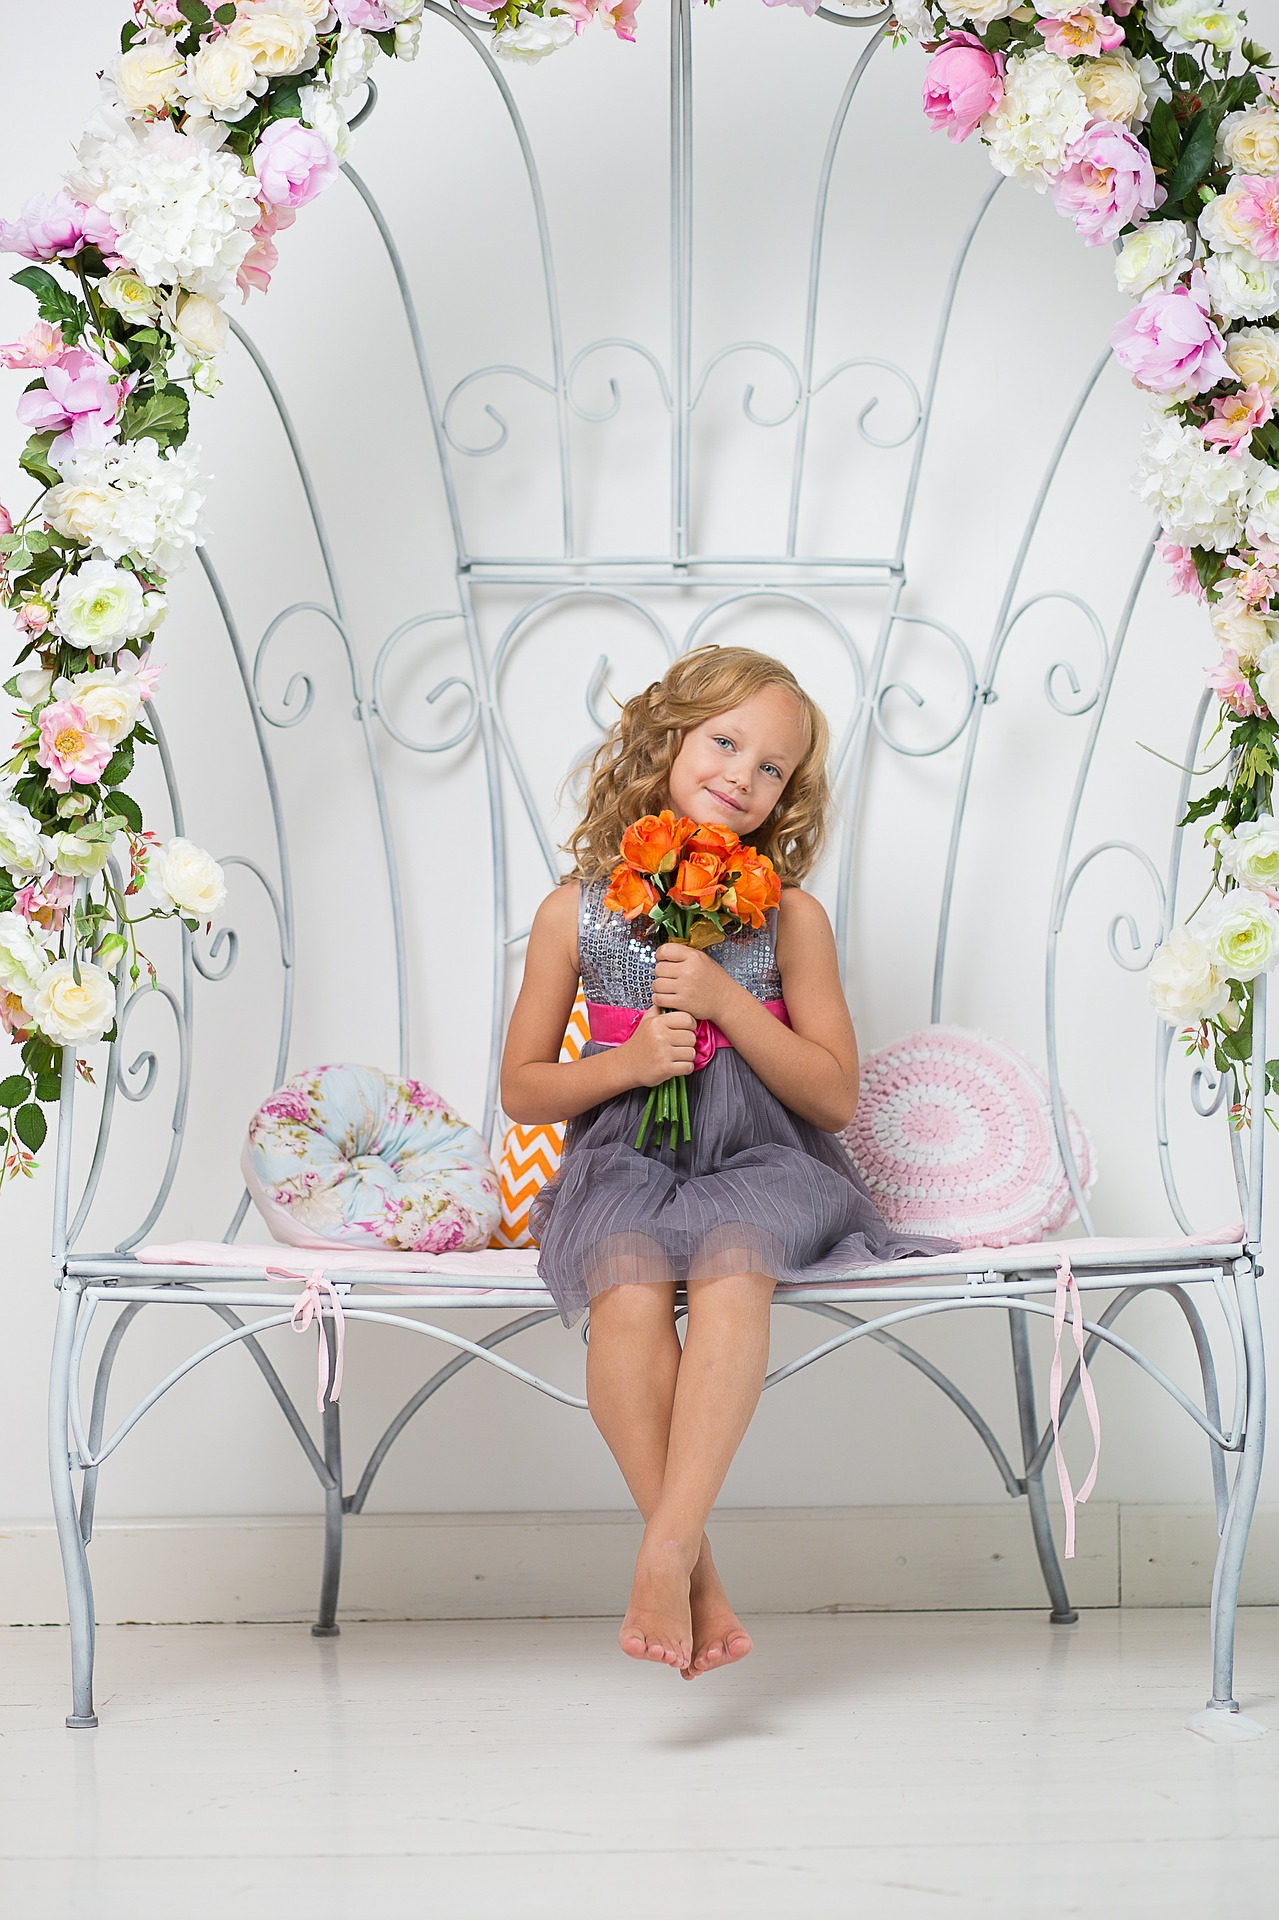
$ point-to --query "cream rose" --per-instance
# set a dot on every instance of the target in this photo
(149, 75)
(1250, 854)
(74, 855)
(199, 323)
(185, 879)
(1112, 87)
(1253, 356)
(222, 81)
(1248, 141)
(1220, 225)
(981, 12)
(109, 701)
(278, 38)
(22, 851)
(68, 1012)
(1182, 981)
(1239, 627)
(79, 510)
(22, 958)
(128, 293)
(1240, 930)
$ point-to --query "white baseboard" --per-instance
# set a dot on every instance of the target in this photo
(487, 1566)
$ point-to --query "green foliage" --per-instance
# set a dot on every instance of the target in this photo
(1164, 137)
(31, 1127)
(34, 459)
(1196, 155)
(13, 1089)
(162, 417)
(56, 305)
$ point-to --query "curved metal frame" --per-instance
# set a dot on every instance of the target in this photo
(856, 599)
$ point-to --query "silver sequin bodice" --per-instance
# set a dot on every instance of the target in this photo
(618, 958)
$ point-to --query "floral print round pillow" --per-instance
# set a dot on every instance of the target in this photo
(344, 1156)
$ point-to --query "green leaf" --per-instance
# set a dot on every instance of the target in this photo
(1164, 137)
(286, 104)
(1206, 803)
(31, 1126)
(39, 1055)
(54, 301)
(36, 541)
(14, 1089)
(195, 11)
(128, 34)
(160, 414)
(48, 1086)
(1209, 566)
(225, 15)
(1196, 155)
(1256, 56)
(118, 767)
(34, 459)
(128, 809)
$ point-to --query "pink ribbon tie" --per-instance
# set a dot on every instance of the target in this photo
(309, 1307)
(1067, 1284)
(613, 1027)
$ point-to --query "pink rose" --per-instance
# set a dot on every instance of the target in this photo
(1234, 418)
(1256, 581)
(1182, 562)
(1083, 30)
(1232, 686)
(293, 163)
(69, 748)
(6, 522)
(962, 82)
(619, 16)
(56, 228)
(80, 400)
(1107, 182)
(1170, 340)
(40, 345)
(1257, 211)
(263, 257)
(33, 616)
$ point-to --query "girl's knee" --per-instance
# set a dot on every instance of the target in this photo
(636, 1305)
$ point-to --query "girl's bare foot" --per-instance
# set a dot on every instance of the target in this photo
(658, 1624)
(719, 1637)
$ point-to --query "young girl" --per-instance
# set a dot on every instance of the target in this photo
(764, 1191)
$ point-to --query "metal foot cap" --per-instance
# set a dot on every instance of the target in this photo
(82, 1720)
(325, 1633)
(1066, 1619)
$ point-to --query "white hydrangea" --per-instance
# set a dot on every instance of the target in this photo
(184, 210)
(534, 36)
(1241, 287)
(1042, 111)
(353, 59)
(1154, 256)
(131, 498)
(1263, 505)
(1199, 494)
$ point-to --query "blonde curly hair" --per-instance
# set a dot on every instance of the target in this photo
(629, 773)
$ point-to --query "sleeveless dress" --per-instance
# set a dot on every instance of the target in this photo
(757, 1189)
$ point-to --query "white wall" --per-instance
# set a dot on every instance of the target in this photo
(1033, 314)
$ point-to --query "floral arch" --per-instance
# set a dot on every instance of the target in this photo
(1152, 124)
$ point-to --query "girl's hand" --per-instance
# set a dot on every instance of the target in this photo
(661, 1047)
(687, 981)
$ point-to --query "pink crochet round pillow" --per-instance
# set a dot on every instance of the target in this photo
(953, 1135)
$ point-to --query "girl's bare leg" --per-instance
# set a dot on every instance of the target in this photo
(633, 1362)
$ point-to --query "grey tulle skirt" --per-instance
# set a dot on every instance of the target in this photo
(756, 1190)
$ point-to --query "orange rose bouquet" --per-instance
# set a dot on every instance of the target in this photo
(695, 883)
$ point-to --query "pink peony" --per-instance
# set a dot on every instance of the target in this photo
(1083, 30)
(6, 522)
(370, 15)
(69, 748)
(1107, 182)
(293, 163)
(38, 347)
(56, 228)
(1257, 211)
(962, 82)
(1182, 562)
(263, 257)
(809, 6)
(80, 399)
(1232, 686)
(619, 16)
(1235, 417)
(1170, 341)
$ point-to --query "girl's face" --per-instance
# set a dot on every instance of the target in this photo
(733, 768)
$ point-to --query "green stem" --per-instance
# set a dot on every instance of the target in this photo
(683, 1106)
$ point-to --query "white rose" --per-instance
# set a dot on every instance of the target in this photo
(99, 606)
(1248, 141)
(1210, 26)
(33, 684)
(980, 12)
(1152, 257)
(1220, 224)
(1183, 982)
(407, 35)
(147, 76)
(67, 1013)
(1241, 287)
(322, 16)
(1041, 113)
(73, 855)
(533, 37)
(199, 323)
(915, 18)
(22, 851)
(79, 510)
(22, 958)
(128, 294)
(1111, 84)
(1240, 930)
(322, 110)
(1263, 507)
(1268, 678)
(277, 38)
(221, 81)
(185, 878)
(109, 701)
(353, 59)
(1239, 627)
(1250, 854)
(1253, 356)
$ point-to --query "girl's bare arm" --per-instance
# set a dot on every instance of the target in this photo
(536, 1086)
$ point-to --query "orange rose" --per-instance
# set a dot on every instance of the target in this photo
(653, 844)
(629, 893)
(698, 881)
(755, 889)
(709, 838)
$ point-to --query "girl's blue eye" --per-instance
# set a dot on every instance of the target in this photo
(717, 737)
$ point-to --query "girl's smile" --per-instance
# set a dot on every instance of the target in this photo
(733, 768)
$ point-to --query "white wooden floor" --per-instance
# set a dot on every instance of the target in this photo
(878, 1766)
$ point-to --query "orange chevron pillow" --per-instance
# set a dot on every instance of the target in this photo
(530, 1155)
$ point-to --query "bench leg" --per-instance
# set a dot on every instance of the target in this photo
(326, 1625)
(1243, 1499)
(75, 1559)
(1062, 1614)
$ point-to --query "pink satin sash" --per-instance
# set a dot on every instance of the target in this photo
(612, 1026)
